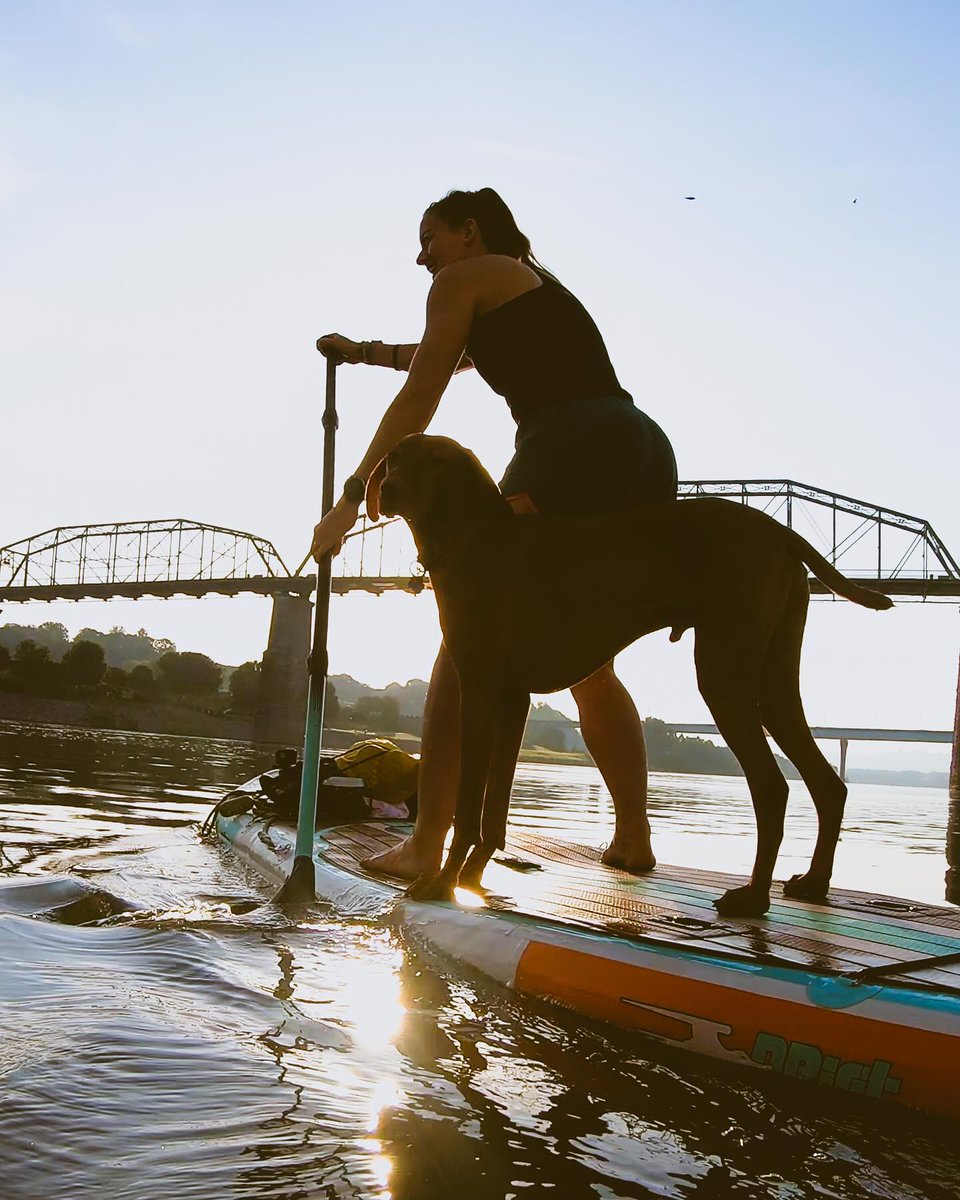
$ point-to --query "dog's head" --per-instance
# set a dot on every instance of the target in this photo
(433, 482)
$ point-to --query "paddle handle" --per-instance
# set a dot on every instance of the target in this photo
(317, 663)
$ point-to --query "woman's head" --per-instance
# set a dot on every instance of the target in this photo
(464, 224)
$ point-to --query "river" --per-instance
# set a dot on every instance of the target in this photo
(207, 1046)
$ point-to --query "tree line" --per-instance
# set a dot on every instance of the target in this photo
(44, 660)
(82, 670)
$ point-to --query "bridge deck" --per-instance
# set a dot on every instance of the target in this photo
(303, 585)
(839, 732)
(260, 585)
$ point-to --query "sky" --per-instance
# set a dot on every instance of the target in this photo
(191, 193)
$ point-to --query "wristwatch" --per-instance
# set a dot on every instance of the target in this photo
(354, 489)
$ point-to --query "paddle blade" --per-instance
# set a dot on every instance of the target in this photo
(300, 887)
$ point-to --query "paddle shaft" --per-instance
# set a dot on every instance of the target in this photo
(317, 662)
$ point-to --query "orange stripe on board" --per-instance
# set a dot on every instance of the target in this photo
(832, 1047)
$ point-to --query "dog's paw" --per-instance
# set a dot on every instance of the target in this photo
(743, 902)
(431, 887)
(806, 887)
(470, 879)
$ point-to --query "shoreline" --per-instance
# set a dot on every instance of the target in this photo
(178, 720)
(173, 720)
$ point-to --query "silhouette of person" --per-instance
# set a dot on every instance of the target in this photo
(582, 448)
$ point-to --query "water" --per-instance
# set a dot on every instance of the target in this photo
(200, 1052)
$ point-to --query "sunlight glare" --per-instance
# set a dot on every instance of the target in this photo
(375, 1004)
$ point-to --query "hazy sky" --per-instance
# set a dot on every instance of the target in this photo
(190, 193)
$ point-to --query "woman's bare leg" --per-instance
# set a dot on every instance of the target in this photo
(421, 852)
(613, 732)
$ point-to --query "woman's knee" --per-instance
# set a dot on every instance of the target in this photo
(600, 682)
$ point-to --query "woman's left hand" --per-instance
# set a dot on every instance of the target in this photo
(329, 534)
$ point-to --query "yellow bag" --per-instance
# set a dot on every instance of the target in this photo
(389, 774)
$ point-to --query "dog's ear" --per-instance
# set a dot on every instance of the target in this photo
(373, 490)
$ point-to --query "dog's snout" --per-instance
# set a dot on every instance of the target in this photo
(389, 497)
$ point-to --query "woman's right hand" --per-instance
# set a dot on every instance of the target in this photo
(329, 534)
(335, 345)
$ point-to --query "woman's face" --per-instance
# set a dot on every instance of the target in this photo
(440, 245)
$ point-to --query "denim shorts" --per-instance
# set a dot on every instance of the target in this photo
(591, 457)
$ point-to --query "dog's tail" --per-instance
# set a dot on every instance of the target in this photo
(827, 573)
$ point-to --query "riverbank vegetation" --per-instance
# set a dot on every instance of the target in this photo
(121, 680)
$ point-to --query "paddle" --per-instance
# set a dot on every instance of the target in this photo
(300, 887)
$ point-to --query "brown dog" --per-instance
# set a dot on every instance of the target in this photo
(538, 603)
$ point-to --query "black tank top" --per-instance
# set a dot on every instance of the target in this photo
(541, 349)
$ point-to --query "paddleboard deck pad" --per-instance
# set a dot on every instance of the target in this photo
(859, 994)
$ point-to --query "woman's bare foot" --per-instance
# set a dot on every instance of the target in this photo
(631, 851)
(409, 860)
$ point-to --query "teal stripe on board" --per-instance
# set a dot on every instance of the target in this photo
(866, 928)
(871, 931)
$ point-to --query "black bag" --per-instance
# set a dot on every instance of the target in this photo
(280, 790)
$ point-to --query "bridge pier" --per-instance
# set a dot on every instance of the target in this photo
(953, 812)
(955, 757)
(282, 702)
(844, 746)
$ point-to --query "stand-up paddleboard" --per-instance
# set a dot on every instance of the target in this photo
(860, 994)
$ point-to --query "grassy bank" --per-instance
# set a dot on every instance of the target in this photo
(138, 716)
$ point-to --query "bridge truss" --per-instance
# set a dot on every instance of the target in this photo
(134, 558)
(888, 550)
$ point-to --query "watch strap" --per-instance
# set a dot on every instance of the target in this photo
(355, 489)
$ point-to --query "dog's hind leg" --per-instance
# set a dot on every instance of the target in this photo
(728, 672)
(511, 717)
(782, 711)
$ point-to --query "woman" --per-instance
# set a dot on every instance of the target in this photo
(582, 448)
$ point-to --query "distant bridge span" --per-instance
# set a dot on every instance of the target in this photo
(839, 733)
(887, 550)
(162, 558)
(846, 734)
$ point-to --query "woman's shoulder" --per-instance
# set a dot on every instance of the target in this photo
(488, 268)
(492, 279)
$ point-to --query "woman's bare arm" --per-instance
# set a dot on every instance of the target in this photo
(381, 354)
(450, 309)
(377, 354)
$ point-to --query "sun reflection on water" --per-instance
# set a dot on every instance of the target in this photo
(372, 991)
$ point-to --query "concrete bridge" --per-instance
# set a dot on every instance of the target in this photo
(844, 735)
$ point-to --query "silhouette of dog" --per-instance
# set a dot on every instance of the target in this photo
(538, 603)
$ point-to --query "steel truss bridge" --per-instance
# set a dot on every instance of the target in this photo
(162, 558)
(887, 550)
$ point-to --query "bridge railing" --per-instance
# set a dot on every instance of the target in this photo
(381, 551)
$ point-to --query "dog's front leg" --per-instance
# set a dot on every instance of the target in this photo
(511, 717)
(477, 728)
